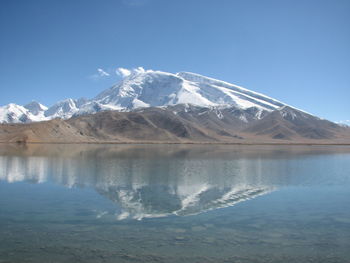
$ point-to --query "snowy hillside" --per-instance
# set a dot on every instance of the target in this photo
(13, 113)
(156, 88)
(146, 88)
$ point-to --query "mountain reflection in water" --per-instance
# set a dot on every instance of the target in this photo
(147, 181)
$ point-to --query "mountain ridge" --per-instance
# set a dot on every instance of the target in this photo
(147, 88)
(181, 124)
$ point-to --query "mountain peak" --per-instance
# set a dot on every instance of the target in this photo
(149, 88)
(35, 107)
(62, 109)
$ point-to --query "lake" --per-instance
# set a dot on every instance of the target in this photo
(174, 203)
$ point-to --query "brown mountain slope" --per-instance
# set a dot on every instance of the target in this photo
(225, 122)
(290, 124)
(150, 125)
(182, 124)
(48, 131)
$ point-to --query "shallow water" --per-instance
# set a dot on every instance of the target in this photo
(174, 203)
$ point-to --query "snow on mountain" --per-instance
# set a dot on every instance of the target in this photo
(13, 113)
(345, 123)
(35, 108)
(63, 109)
(156, 88)
(147, 88)
(231, 94)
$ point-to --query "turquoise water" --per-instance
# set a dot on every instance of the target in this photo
(173, 203)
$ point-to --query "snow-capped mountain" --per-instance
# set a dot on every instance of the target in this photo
(62, 109)
(35, 108)
(13, 113)
(156, 88)
(147, 88)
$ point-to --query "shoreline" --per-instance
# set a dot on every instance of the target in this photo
(186, 143)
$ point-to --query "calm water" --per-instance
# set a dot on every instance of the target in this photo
(163, 203)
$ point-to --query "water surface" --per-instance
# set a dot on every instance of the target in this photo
(174, 203)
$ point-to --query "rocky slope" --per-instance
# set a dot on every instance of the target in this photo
(183, 124)
(290, 124)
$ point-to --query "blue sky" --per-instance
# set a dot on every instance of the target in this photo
(297, 51)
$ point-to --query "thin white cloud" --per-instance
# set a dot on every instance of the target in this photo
(123, 72)
(102, 72)
(346, 122)
(140, 70)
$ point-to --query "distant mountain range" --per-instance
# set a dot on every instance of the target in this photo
(164, 107)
